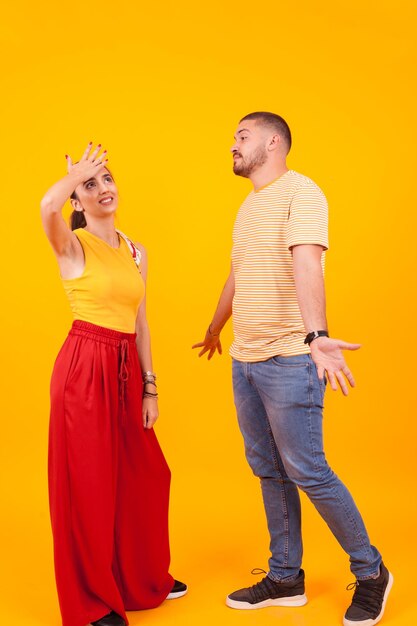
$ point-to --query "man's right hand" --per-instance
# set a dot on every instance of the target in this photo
(210, 344)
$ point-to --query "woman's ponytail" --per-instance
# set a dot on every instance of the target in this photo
(77, 218)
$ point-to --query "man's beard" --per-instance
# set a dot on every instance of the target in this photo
(245, 167)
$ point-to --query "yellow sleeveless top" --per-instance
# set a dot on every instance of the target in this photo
(110, 289)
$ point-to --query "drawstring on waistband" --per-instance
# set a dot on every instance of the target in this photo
(123, 374)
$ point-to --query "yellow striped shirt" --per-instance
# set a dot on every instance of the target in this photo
(267, 322)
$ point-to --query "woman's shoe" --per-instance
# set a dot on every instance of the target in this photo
(111, 619)
(179, 589)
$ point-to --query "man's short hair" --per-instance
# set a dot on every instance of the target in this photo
(275, 122)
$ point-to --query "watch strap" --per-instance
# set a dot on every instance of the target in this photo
(314, 334)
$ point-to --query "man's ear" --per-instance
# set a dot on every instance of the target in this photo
(275, 142)
(76, 205)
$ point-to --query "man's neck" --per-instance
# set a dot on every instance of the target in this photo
(267, 174)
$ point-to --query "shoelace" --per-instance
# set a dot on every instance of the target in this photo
(262, 590)
(368, 594)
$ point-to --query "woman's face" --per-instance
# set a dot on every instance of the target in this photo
(98, 196)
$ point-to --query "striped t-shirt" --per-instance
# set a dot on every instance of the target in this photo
(267, 321)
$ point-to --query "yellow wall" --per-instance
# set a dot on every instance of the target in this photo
(162, 86)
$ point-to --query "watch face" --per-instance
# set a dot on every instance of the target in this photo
(314, 334)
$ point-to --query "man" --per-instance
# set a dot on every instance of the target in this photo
(282, 356)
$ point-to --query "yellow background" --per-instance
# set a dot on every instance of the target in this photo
(162, 86)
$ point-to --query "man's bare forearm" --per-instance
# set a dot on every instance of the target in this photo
(224, 307)
(309, 285)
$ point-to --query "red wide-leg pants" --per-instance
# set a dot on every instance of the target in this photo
(108, 481)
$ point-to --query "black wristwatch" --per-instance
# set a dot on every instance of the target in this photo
(314, 334)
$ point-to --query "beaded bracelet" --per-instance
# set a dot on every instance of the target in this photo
(150, 395)
(146, 375)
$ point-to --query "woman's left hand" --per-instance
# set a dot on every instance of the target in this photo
(149, 412)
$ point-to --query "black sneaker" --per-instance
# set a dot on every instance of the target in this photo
(269, 593)
(179, 589)
(111, 619)
(368, 602)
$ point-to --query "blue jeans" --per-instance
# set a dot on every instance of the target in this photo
(279, 405)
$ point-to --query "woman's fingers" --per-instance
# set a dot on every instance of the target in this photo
(89, 162)
(95, 152)
(149, 421)
(149, 412)
(102, 159)
(86, 152)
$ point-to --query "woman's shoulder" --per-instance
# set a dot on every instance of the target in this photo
(140, 247)
(129, 241)
(137, 249)
(143, 258)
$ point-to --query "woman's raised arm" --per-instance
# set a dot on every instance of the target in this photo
(62, 239)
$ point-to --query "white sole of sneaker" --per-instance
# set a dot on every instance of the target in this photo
(290, 601)
(371, 622)
(177, 594)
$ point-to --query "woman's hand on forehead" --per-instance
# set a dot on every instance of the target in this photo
(90, 162)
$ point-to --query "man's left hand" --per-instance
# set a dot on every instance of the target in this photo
(328, 357)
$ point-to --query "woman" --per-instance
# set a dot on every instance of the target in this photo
(108, 479)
